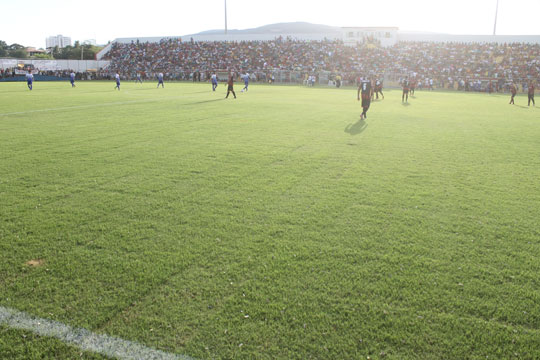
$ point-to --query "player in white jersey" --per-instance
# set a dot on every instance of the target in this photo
(117, 78)
(72, 79)
(214, 81)
(29, 79)
(246, 82)
(160, 80)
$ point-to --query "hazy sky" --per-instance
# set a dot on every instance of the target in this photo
(32, 21)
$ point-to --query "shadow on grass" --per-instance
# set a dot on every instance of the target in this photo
(357, 128)
(199, 92)
(405, 104)
(144, 89)
(204, 102)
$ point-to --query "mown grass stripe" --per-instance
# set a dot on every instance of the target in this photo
(86, 106)
(83, 338)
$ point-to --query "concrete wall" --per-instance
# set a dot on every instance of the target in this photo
(501, 39)
(76, 65)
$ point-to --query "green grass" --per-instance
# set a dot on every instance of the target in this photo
(276, 225)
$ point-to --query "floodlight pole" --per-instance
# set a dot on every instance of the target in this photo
(225, 17)
(496, 13)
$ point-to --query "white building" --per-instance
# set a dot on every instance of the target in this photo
(58, 40)
(90, 42)
(383, 36)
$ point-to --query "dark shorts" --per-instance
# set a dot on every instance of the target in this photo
(406, 90)
(366, 100)
(230, 88)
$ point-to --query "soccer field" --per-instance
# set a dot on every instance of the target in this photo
(277, 225)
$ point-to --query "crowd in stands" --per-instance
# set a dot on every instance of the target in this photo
(456, 65)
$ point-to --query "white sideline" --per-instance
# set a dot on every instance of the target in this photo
(82, 338)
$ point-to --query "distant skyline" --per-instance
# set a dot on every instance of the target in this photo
(106, 20)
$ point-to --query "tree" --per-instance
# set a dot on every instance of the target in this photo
(15, 47)
(13, 50)
(3, 48)
(19, 53)
(43, 56)
(74, 52)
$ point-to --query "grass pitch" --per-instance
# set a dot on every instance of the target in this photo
(276, 225)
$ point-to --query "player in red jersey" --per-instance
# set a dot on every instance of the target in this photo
(513, 91)
(230, 86)
(406, 87)
(365, 90)
(378, 88)
(413, 86)
(531, 94)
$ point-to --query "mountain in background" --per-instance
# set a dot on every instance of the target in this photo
(279, 28)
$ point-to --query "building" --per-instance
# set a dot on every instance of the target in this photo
(90, 42)
(383, 36)
(58, 40)
(32, 51)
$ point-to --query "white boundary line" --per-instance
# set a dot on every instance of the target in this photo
(82, 338)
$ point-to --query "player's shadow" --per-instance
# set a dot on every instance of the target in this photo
(204, 102)
(356, 128)
(406, 104)
(521, 106)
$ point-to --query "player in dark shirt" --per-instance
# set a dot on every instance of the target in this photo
(413, 86)
(513, 91)
(531, 94)
(406, 86)
(230, 86)
(378, 88)
(365, 90)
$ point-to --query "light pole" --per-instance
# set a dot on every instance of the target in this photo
(496, 13)
(225, 17)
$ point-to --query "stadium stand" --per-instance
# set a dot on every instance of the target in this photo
(455, 65)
